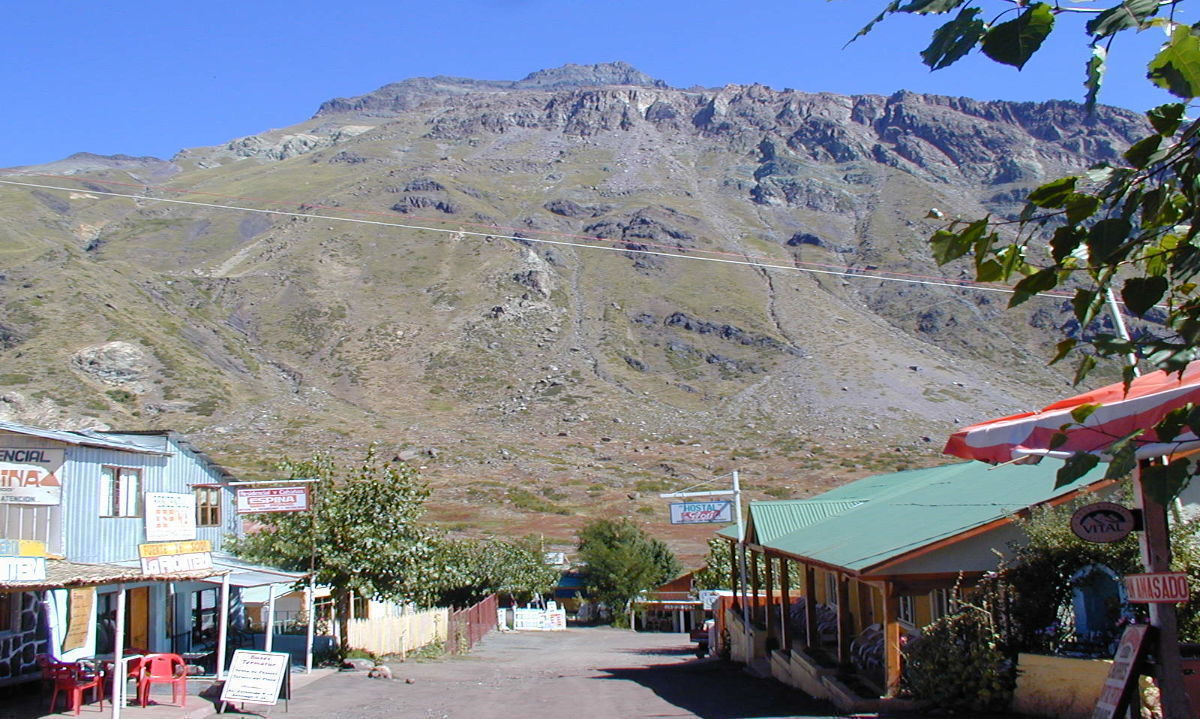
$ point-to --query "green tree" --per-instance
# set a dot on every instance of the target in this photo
(362, 535)
(623, 561)
(477, 568)
(1124, 229)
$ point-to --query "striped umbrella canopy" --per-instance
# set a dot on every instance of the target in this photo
(1122, 411)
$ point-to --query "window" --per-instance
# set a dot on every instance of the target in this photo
(907, 613)
(208, 506)
(831, 589)
(120, 492)
(204, 617)
(944, 601)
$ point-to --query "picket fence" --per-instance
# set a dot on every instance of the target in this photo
(399, 634)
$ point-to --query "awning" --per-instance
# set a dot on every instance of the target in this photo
(241, 574)
(61, 574)
(1148, 400)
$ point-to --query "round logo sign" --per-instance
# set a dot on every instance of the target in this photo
(1102, 522)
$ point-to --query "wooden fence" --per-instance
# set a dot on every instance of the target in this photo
(468, 626)
(398, 634)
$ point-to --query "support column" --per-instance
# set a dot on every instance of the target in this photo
(754, 586)
(843, 616)
(733, 573)
(812, 637)
(119, 667)
(769, 610)
(223, 627)
(892, 667)
(269, 629)
(785, 606)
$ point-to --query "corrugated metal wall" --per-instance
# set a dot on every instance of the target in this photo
(43, 523)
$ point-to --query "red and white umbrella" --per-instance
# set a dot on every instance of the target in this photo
(1148, 399)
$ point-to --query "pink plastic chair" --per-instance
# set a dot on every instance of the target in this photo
(73, 680)
(163, 669)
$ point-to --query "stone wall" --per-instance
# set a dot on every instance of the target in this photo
(19, 649)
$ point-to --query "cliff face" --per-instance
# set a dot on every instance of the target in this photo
(496, 344)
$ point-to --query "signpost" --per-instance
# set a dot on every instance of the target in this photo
(257, 678)
(702, 512)
(273, 499)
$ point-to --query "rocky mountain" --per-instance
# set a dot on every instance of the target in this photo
(559, 295)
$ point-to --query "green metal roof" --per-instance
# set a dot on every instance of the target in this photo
(893, 514)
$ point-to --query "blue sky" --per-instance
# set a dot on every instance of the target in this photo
(150, 78)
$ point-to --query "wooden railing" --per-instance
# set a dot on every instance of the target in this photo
(468, 626)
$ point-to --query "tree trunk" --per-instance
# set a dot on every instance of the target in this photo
(341, 598)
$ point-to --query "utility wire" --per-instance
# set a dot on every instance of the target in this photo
(747, 261)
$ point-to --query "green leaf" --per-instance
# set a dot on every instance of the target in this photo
(1176, 67)
(1096, 66)
(1083, 411)
(1015, 41)
(1143, 151)
(1053, 194)
(1063, 349)
(1039, 281)
(1086, 365)
(1140, 294)
(1075, 467)
(952, 41)
(1164, 482)
(1169, 427)
(1085, 303)
(1066, 239)
(948, 246)
(1057, 440)
(1166, 118)
(1128, 15)
(1080, 207)
(891, 8)
(989, 271)
(930, 7)
(1123, 460)
(1106, 237)
(1193, 420)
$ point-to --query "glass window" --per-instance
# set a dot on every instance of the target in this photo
(831, 589)
(120, 492)
(944, 601)
(208, 506)
(907, 613)
(204, 617)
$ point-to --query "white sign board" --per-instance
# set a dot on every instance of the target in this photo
(272, 499)
(22, 569)
(255, 677)
(701, 512)
(170, 517)
(30, 476)
(170, 563)
(540, 620)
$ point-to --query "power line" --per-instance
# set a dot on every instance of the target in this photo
(746, 260)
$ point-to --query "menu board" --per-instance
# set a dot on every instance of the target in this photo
(79, 618)
(256, 677)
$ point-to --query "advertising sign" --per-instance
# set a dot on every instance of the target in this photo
(274, 499)
(256, 677)
(1156, 588)
(1102, 522)
(30, 476)
(22, 569)
(170, 516)
(702, 512)
(169, 557)
(1122, 676)
(22, 548)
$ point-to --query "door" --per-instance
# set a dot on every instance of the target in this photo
(138, 628)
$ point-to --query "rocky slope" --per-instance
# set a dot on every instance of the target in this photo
(411, 269)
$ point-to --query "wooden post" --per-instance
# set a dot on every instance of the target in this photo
(891, 640)
(812, 637)
(733, 572)
(785, 606)
(1156, 555)
(770, 607)
(754, 587)
(843, 615)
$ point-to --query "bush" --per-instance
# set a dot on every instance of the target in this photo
(956, 664)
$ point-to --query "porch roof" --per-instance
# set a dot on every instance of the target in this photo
(241, 573)
(894, 515)
(61, 574)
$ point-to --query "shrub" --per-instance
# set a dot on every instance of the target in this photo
(956, 664)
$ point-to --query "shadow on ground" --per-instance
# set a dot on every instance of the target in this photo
(713, 689)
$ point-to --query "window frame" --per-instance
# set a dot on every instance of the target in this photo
(831, 588)
(115, 494)
(208, 505)
(906, 610)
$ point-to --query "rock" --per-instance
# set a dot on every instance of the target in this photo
(357, 665)
(121, 364)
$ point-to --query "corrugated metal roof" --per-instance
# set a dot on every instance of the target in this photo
(899, 513)
(83, 438)
(775, 519)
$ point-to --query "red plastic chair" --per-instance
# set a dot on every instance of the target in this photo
(73, 680)
(163, 669)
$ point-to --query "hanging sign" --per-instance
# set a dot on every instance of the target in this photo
(170, 516)
(272, 499)
(701, 512)
(257, 677)
(30, 476)
(1122, 676)
(1157, 588)
(1102, 522)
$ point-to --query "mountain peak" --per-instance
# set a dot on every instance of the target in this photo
(572, 75)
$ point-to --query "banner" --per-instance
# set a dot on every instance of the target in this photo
(30, 476)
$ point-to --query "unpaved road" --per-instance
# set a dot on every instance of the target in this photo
(581, 673)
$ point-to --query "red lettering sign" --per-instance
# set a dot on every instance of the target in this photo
(1158, 587)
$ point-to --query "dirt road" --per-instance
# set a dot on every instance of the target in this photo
(591, 673)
